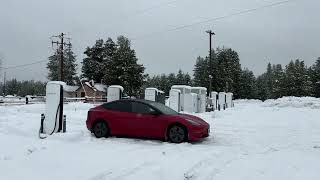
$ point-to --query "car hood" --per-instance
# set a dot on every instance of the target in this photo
(194, 118)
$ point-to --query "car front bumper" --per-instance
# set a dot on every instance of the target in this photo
(199, 133)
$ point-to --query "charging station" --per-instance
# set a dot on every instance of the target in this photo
(114, 93)
(202, 97)
(174, 99)
(154, 94)
(214, 97)
(229, 100)
(53, 121)
(222, 101)
(185, 97)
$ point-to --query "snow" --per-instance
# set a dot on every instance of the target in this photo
(100, 87)
(68, 88)
(276, 139)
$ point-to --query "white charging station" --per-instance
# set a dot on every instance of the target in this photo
(114, 93)
(174, 99)
(53, 121)
(222, 101)
(185, 97)
(202, 98)
(229, 100)
(195, 102)
(154, 94)
(214, 97)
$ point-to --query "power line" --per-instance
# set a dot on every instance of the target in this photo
(23, 65)
(216, 18)
(152, 7)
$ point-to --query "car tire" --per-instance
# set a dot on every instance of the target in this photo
(177, 134)
(101, 129)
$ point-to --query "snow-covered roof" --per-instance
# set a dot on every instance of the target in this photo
(229, 93)
(155, 89)
(68, 88)
(200, 88)
(180, 86)
(214, 92)
(116, 86)
(57, 82)
(177, 90)
(88, 84)
(100, 87)
(222, 93)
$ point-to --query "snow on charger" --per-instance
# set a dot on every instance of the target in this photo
(53, 121)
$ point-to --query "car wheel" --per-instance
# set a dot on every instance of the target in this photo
(100, 129)
(177, 134)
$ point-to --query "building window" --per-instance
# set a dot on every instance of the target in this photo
(83, 94)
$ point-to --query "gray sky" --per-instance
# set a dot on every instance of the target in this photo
(277, 34)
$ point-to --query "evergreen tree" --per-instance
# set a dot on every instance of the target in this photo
(247, 83)
(228, 71)
(269, 81)
(201, 73)
(95, 62)
(69, 66)
(262, 87)
(278, 78)
(314, 73)
(123, 68)
(180, 78)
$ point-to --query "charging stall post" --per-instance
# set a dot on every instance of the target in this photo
(174, 99)
(185, 97)
(229, 100)
(114, 92)
(214, 97)
(53, 121)
(202, 97)
(222, 101)
(154, 94)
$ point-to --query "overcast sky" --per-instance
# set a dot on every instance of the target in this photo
(277, 34)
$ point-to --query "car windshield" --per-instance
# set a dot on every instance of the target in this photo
(164, 109)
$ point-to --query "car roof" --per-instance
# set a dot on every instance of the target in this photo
(134, 100)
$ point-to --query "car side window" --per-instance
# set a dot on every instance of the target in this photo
(141, 108)
(121, 106)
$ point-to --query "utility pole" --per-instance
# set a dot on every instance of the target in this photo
(61, 45)
(210, 60)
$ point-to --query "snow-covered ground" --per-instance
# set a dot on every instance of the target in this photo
(277, 139)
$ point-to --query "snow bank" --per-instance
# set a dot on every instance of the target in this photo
(296, 102)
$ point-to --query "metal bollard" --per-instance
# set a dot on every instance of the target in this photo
(41, 124)
(64, 123)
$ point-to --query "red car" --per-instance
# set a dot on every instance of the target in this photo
(141, 118)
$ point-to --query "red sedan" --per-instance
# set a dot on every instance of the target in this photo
(140, 118)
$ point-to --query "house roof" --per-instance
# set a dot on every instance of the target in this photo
(100, 87)
(68, 88)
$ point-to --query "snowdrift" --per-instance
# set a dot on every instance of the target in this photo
(296, 102)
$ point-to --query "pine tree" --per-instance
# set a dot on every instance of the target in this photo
(314, 73)
(201, 72)
(228, 71)
(94, 64)
(278, 79)
(123, 68)
(269, 81)
(262, 87)
(69, 66)
(247, 83)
